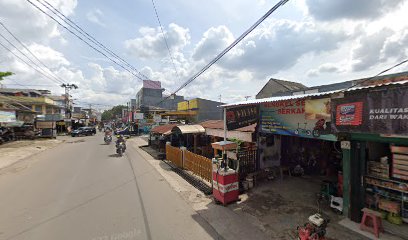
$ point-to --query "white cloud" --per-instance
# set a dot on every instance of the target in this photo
(31, 25)
(214, 40)
(95, 16)
(151, 44)
(368, 50)
(351, 9)
(280, 44)
(324, 68)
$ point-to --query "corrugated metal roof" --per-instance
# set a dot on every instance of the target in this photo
(185, 129)
(162, 129)
(219, 124)
(282, 98)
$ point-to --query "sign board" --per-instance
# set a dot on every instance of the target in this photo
(7, 116)
(382, 111)
(45, 124)
(139, 116)
(289, 117)
(157, 118)
(238, 117)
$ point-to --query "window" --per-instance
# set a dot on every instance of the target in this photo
(38, 108)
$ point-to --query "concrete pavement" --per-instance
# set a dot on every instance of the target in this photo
(81, 190)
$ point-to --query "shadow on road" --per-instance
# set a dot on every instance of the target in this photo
(114, 155)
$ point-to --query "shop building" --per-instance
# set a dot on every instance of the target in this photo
(195, 111)
(352, 143)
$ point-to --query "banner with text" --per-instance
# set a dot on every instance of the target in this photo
(238, 117)
(298, 117)
(382, 112)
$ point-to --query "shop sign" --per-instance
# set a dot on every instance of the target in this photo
(238, 117)
(349, 114)
(157, 118)
(139, 116)
(7, 116)
(382, 112)
(298, 117)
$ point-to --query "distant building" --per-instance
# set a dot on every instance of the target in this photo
(272, 89)
(275, 87)
(151, 95)
(36, 100)
(196, 110)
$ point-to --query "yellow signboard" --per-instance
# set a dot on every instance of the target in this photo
(193, 104)
(182, 106)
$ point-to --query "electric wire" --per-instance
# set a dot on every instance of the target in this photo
(87, 43)
(378, 74)
(80, 30)
(165, 39)
(44, 72)
(226, 50)
(32, 54)
(26, 62)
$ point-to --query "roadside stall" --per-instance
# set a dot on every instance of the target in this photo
(159, 136)
(373, 124)
(187, 136)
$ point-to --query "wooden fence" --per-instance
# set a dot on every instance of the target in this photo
(247, 160)
(174, 155)
(199, 165)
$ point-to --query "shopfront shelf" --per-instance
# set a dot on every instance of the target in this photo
(383, 195)
(378, 185)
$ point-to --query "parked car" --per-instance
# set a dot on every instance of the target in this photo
(83, 131)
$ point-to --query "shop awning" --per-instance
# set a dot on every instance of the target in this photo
(180, 113)
(186, 129)
(163, 129)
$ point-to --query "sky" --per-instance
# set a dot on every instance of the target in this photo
(313, 42)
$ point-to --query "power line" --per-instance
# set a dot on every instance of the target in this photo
(75, 26)
(165, 39)
(25, 61)
(378, 74)
(87, 43)
(42, 71)
(32, 54)
(233, 44)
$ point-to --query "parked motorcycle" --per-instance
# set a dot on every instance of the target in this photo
(315, 229)
(120, 148)
(108, 139)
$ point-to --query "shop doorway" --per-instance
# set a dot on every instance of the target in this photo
(379, 181)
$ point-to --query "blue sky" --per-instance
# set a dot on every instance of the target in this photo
(308, 41)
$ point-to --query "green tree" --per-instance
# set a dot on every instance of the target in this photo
(5, 74)
(112, 113)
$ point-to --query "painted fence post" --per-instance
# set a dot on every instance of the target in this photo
(183, 149)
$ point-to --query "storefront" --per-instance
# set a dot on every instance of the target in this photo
(294, 138)
(373, 126)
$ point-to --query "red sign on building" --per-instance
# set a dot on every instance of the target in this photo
(349, 114)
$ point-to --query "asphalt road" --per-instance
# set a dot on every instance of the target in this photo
(82, 190)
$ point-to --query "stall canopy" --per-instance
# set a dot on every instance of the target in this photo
(186, 129)
(163, 129)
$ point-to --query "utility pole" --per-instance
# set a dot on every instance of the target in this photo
(246, 98)
(221, 112)
(68, 87)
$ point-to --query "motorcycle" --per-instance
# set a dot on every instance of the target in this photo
(120, 148)
(108, 139)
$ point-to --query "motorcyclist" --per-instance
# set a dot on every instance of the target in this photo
(108, 132)
(121, 139)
